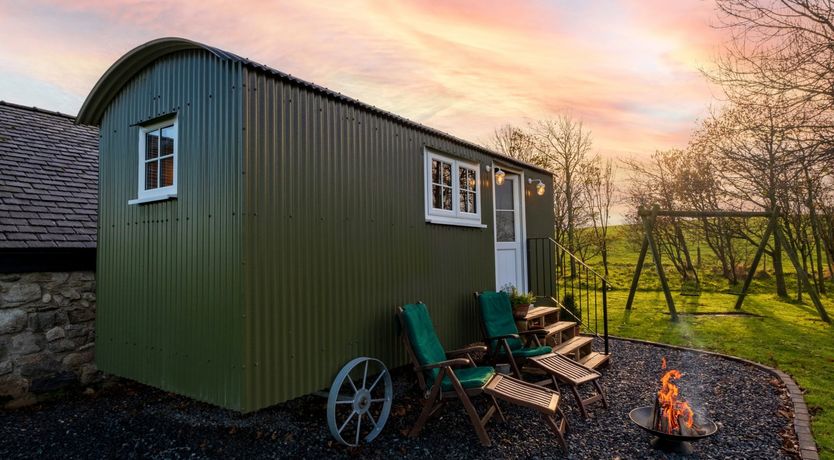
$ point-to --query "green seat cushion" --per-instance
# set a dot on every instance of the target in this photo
(497, 315)
(470, 377)
(423, 338)
(528, 352)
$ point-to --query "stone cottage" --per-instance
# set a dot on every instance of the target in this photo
(48, 203)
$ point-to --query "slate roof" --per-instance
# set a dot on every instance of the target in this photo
(48, 179)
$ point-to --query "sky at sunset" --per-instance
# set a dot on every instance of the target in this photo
(629, 69)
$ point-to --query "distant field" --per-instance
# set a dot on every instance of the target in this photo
(786, 335)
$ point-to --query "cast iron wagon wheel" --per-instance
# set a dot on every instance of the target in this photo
(359, 401)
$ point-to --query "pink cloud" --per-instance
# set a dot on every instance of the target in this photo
(630, 69)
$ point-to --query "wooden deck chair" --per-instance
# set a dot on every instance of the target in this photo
(443, 376)
(504, 343)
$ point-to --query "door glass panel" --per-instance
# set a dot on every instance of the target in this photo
(505, 226)
(504, 195)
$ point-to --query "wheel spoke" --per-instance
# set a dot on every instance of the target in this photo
(344, 401)
(350, 380)
(378, 400)
(365, 376)
(371, 417)
(346, 422)
(358, 428)
(377, 379)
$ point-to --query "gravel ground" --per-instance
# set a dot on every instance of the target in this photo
(129, 420)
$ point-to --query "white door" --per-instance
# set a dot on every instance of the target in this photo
(509, 244)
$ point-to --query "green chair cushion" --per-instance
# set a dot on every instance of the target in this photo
(528, 352)
(497, 315)
(470, 377)
(423, 338)
(421, 334)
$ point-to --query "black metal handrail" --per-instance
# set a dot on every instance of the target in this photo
(558, 275)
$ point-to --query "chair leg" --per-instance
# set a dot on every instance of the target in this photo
(475, 419)
(555, 383)
(579, 401)
(498, 408)
(470, 410)
(601, 393)
(513, 365)
(430, 406)
(558, 430)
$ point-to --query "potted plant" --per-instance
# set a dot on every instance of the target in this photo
(522, 302)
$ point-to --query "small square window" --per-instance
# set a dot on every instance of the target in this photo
(157, 162)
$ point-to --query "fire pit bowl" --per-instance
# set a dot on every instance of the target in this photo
(682, 444)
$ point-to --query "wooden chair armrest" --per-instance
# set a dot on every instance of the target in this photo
(466, 351)
(504, 337)
(457, 362)
(535, 333)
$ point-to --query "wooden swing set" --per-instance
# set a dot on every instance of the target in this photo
(648, 218)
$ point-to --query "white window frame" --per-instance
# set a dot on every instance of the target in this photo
(161, 193)
(455, 216)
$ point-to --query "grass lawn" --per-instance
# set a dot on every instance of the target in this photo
(787, 335)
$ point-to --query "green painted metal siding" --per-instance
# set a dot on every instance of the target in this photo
(335, 238)
(299, 226)
(169, 278)
(539, 209)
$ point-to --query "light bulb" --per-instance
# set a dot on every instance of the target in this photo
(499, 177)
(540, 188)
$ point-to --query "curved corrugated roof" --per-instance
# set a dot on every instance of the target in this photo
(109, 85)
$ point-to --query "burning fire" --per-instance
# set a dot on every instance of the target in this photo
(670, 412)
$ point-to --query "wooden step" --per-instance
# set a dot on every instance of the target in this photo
(595, 360)
(539, 312)
(559, 327)
(573, 345)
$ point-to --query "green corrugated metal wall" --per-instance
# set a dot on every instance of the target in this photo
(299, 226)
(169, 278)
(335, 238)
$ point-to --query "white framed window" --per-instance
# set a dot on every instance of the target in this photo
(453, 191)
(157, 162)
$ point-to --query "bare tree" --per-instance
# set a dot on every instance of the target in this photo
(758, 150)
(599, 181)
(701, 187)
(784, 49)
(515, 142)
(564, 145)
(656, 182)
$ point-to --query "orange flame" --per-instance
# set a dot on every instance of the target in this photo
(671, 408)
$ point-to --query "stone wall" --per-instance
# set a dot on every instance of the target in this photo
(47, 333)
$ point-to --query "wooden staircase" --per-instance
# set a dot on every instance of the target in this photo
(560, 278)
(564, 336)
